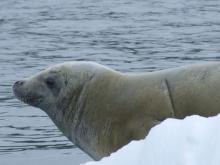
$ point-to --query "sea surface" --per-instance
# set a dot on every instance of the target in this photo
(128, 36)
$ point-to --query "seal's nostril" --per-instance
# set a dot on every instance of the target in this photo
(20, 82)
(16, 82)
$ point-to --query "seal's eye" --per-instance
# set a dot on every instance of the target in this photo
(53, 85)
(50, 82)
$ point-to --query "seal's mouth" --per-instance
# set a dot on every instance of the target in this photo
(28, 97)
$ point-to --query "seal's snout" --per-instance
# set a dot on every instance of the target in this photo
(17, 86)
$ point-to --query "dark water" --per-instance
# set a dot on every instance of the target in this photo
(129, 36)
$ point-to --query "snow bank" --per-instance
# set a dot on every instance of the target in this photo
(192, 141)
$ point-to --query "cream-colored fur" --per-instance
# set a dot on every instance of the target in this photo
(101, 110)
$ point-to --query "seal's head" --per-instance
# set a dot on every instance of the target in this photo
(53, 88)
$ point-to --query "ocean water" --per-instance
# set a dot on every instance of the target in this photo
(128, 36)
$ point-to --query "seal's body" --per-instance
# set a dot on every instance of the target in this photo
(101, 110)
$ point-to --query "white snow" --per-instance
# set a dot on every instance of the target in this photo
(192, 141)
